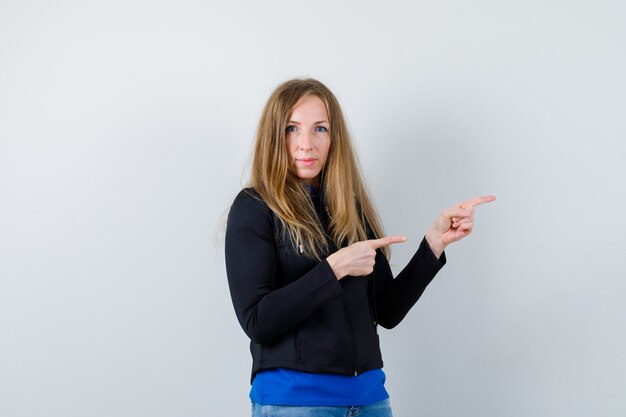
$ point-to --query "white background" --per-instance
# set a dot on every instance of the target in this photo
(125, 133)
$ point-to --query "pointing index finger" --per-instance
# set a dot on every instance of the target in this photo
(478, 200)
(388, 240)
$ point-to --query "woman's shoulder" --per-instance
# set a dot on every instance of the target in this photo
(249, 211)
(249, 202)
(250, 195)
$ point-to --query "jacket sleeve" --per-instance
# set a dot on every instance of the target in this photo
(395, 297)
(263, 310)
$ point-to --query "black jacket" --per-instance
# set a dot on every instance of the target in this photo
(295, 311)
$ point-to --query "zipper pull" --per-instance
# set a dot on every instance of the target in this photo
(301, 249)
(355, 373)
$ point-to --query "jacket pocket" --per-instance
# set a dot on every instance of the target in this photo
(325, 338)
(280, 348)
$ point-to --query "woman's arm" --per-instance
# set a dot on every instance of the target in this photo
(263, 310)
(395, 297)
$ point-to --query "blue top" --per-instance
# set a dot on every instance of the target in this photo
(281, 386)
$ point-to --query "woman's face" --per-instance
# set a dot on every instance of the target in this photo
(308, 139)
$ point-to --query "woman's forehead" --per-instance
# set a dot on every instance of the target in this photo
(311, 109)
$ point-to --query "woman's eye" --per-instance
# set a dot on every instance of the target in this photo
(323, 129)
(290, 129)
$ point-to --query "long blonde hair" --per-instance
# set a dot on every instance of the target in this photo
(347, 200)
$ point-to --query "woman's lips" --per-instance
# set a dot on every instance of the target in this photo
(307, 162)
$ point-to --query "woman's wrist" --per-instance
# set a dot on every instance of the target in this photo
(334, 265)
(436, 245)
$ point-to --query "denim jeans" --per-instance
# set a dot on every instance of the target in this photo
(378, 409)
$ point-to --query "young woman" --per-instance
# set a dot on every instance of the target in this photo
(307, 263)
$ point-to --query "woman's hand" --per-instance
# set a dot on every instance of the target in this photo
(453, 224)
(359, 258)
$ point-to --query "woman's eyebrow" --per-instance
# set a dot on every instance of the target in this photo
(316, 123)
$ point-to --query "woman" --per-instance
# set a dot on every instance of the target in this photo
(307, 263)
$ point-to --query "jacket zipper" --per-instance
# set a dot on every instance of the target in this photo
(374, 302)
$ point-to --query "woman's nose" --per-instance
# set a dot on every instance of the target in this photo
(305, 140)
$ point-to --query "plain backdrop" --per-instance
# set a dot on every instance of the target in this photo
(125, 133)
